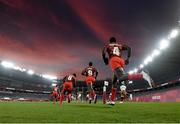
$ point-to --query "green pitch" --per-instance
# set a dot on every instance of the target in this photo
(83, 112)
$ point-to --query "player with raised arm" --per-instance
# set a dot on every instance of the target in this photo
(69, 82)
(117, 63)
(91, 74)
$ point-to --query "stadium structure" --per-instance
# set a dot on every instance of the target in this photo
(19, 84)
(30, 93)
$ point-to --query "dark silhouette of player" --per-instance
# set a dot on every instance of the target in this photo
(112, 55)
(69, 82)
(91, 74)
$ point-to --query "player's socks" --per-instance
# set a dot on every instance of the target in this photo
(95, 99)
(90, 99)
(93, 93)
(61, 98)
(113, 96)
(69, 98)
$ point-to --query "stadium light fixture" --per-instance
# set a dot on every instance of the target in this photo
(155, 53)
(30, 72)
(17, 68)
(50, 77)
(173, 33)
(7, 64)
(145, 62)
(23, 69)
(163, 44)
(141, 66)
(148, 59)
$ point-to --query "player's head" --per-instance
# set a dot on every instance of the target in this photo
(112, 40)
(74, 74)
(90, 63)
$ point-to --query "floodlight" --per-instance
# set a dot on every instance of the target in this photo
(173, 33)
(141, 66)
(49, 77)
(30, 72)
(164, 44)
(155, 53)
(7, 64)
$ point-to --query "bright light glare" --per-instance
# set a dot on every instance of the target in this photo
(23, 69)
(17, 68)
(130, 72)
(49, 77)
(54, 84)
(164, 44)
(31, 72)
(174, 33)
(130, 82)
(7, 64)
(155, 53)
(141, 66)
(135, 70)
(148, 59)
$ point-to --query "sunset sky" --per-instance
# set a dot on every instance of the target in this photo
(60, 37)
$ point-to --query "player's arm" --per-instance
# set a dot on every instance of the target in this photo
(74, 82)
(96, 73)
(105, 59)
(63, 80)
(128, 49)
(84, 72)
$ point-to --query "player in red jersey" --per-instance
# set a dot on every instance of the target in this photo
(91, 74)
(69, 82)
(55, 94)
(117, 63)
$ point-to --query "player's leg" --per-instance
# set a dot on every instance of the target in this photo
(113, 91)
(93, 94)
(90, 80)
(122, 76)
(117, 64)
(123, 96)
(62, 95)
(90, 90)
(69, 95)
(55, 97)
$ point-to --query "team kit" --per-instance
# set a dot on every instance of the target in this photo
(112, 56)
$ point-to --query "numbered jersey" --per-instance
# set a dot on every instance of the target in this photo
(113, 50)
(69, 78)
(90, 71)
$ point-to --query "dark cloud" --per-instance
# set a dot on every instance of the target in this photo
(59, 37)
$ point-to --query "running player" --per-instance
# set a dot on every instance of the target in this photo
(91, 74)
(123, 93)
(55, 94)
(117, 63)
(69, 82)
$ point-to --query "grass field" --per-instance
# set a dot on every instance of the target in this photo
(82, 112)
